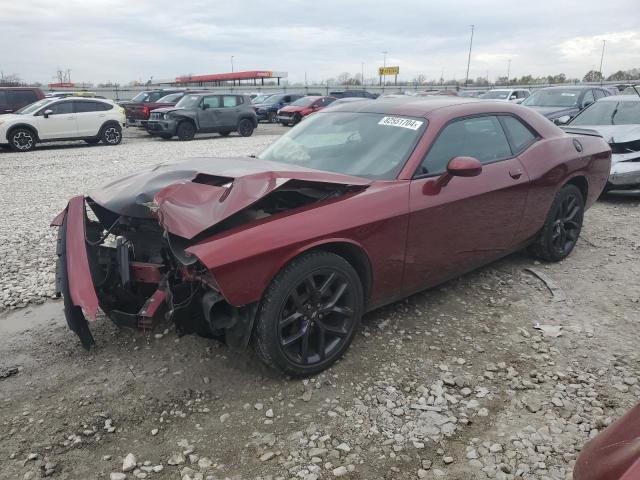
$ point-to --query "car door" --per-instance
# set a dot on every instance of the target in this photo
(60, 123)
(229, 112)
(208, 111)
(470, 221)
(90, 116)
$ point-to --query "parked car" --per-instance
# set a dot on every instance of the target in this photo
(204, 113)
(73, 94)
(62, 119)
(471, 93)
(268, 109)
(561, 104)
(258, 99)
(136, 105)
(14, 98)
(516, 95)
(617, 120)
(292, 114)
(358, 206)
(613, 454)
(353, 93)
(138, 113)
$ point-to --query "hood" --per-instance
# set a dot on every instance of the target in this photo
(191, 196)
(167, 109)
(554, 112)
(616, 133)
(293, 108)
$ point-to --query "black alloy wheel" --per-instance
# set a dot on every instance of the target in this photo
(562, 228)
(22, 140)
(186, 130)
(310, 314)
(245, 127)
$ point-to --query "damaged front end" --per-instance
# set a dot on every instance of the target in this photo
(625, 165)
(125, 250)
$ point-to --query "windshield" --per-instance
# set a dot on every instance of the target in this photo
(172, 98)
(141, 97)
(34, 107)
(303, 102)
(188, 101)
(260, 98)
(496, 94)
(553, 98)
(273, 99)
(368, 145)
(610, 113)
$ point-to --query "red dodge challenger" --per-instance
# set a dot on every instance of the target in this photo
(359, 206)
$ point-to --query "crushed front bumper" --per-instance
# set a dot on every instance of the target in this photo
(625, 170)
(161, 127)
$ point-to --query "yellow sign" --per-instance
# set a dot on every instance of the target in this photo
(388, 70)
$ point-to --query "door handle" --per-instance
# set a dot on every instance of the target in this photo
(515, 173)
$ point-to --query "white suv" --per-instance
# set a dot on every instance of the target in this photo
(62, 119)
(515, 95)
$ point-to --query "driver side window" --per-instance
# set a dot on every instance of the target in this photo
(212, 101)
(60, 108)
(479, 137)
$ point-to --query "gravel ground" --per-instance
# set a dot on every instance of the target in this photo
(453, 383)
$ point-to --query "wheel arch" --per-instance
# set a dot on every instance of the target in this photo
(252, 118)
(108, 123)
(26, 126)
(582, 183)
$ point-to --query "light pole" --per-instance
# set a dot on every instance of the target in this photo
(362, 73)
(601, 59)
(231, 63)
(508, 71)
(466, 80)
(384, 65)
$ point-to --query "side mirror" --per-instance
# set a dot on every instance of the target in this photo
(457, 167)
(47, 113)
(205, 106)
(562, 120)
(464, 167)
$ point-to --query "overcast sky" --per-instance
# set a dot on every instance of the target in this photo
(123, 40)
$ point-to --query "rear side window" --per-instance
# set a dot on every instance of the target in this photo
(519, 134)
(22, 97)
(479, 137)
(229, 101)
(83, 107)
(3, 98)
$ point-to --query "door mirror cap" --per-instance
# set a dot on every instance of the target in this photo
(562, 120)
(464, 167)
(47, 113)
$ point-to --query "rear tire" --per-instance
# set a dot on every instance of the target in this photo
(22, 140)
(186, 131)
(245, 127)
(562, 227)
(111, 134)
(309, 314)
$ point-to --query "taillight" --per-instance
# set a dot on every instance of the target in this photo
(145, 111)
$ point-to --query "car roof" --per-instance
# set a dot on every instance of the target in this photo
(620, 98)
(572, 87)
(406, 105)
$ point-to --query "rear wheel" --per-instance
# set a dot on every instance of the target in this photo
(562, 228)
(111, 134)
(186, 131)
(245, 127)
(22, 140)
(309, 314)
(273, 117)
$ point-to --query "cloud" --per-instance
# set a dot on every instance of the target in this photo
(121, 41)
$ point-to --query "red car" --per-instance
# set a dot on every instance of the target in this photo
(358, 206)
(296, 111)
(613, 454)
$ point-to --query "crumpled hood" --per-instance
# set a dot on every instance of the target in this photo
(193, 195)
(166, 109)
(554, 112)
(616, 133)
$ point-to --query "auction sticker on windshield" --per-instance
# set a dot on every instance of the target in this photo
(401, 122)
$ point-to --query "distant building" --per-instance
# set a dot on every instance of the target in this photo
(253, 77)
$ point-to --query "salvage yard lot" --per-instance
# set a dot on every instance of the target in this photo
(452, 383)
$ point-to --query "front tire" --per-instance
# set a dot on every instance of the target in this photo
(309, 314)
(562, 228)
(273, 117)
(22, 140)
(186, 131)
(297, 118)
(245, 127)
(111, 135)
